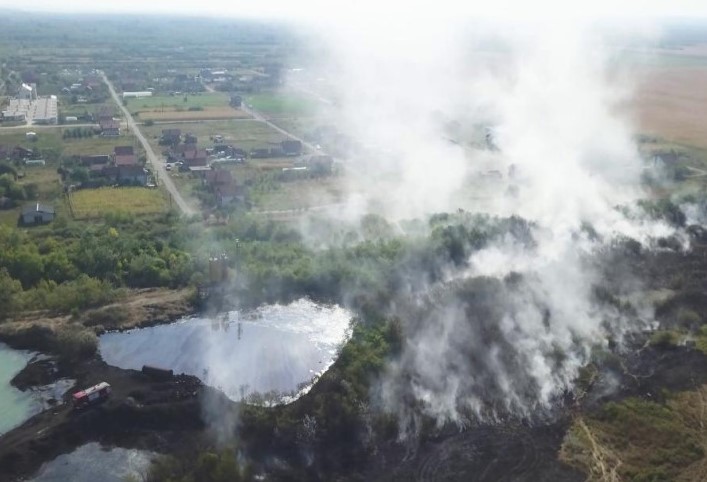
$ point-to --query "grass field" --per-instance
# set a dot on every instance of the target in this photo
(278, 104)
(246, 134)
(92, 203)
(212, 113)
(159, 102)
(642, 440)
(51, 138)
(209, 105)
(671, 102)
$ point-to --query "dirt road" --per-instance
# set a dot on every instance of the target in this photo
(259, 117)
(159, 167)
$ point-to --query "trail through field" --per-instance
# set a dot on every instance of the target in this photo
(606, 462)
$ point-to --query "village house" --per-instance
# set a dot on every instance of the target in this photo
(291, 148)
(20, 153)
(195, 157)
(217, 178)
(170, 137)
(37, 213)
(125, 160)
(109, 127)
(124, 156)
(132, 174)
(99, 160)
(260, 153)
(123, 150)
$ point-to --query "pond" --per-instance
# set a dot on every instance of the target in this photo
(274, 351)
(15, 406)
(91, 462)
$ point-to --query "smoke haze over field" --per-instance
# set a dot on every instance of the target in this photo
(509, 333)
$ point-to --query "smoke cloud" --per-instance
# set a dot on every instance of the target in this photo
(513, 119)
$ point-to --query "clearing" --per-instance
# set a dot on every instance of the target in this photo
(210, 105)
(93, 203)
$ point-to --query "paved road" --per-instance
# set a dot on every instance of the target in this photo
(159, 167)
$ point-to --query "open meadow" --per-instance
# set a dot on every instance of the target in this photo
(246, 134)
(207, 105)
(52, 139)
(93, 203)
(282, 104)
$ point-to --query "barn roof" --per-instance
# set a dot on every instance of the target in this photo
(38, 208)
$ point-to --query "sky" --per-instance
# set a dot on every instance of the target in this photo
(318, 9)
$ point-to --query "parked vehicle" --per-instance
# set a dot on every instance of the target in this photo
(91, 396)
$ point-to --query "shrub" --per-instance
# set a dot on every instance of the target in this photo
(75, 342)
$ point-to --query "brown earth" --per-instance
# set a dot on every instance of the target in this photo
(210, 113)
(142, 307)
(671, 103)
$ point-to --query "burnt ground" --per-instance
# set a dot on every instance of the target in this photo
(166, 416)
(162, 416)
(529, 451)
(489, 453)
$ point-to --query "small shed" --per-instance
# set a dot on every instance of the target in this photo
(37, 213)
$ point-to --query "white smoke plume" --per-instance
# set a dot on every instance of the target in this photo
(508, 119)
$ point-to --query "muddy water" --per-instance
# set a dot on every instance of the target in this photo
(15, 406)
(276, 348)
(91, 462)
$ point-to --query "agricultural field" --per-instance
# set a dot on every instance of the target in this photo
(670, 102)
(83, 110)
(282, 104)
(51, 138)
(300, 194)
(207, 105)
(247, 134)
(93, 203)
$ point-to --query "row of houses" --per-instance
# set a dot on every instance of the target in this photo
(120, 167)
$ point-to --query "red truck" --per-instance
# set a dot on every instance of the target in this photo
(91, 396)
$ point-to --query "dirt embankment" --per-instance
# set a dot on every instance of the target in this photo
(143, 413)
(144, 307)
(163, 415)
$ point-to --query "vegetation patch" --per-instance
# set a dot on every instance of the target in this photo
(642, 440)
(281, 104)
(93, 203)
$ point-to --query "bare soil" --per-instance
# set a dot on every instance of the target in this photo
(671, 103)
(143, 307)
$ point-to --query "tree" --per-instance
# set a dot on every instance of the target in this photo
(79, 174)
(10, 291)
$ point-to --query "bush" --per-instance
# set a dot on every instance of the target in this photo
(665, 339)
(75, 342)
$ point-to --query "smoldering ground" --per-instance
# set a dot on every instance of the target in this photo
(514, 119)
